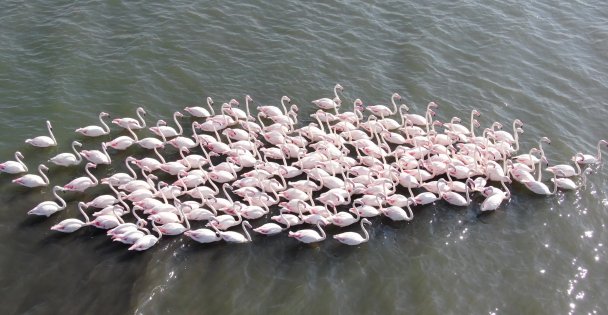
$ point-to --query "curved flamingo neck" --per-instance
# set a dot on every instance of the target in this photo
(246, 232)
(162, 134)
(84, 214)
(46, 179)
(247, 107)
(18, 158)
(103, 123)
(540, 168)
(394, 104)
(105, 151)
(81, 206)
(210, 105)
(128, 165)
(184, 217)
(554, 184)
(516, 137)
(197, 140)
(138, 113)
(179, 126)
(93, 178)
(63, 204)
(364, 230)
(154, 227)
(323, 235)
(162, 159)
(148, 179)
(132, 134)
(578, 169)
(284, 107)
(77, 154)
(287, 223)
(50, 129)
(336, 92)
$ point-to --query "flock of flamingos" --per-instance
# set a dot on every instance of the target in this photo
(338, 170)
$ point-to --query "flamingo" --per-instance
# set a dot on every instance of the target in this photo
(83, 183)
(96, 156)
(131, 122)
(494, 200)
(309, 236)
(44, 141)
(223, 222)
(328, 103)
(118, 179)
(352, 238)
(383, 110)
(31, 180)
(147, 241)
(68, 159)
(203, 235)
(176, 228)
(105, 222)
(151, 142)
(125, 227)
(234, 237)
(567, 183)
(46, 208)
(588, 158)
(344, 218)
(397, 213)
(132, 235)
(273, 228)
(565, 170)
(456, 199)
(166, 131)
(198, 111)
(71, 225)
(96, 131)
(14, 167)
(123, 142)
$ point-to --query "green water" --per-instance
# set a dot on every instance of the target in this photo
(542, 62)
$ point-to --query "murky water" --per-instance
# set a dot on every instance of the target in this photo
(543, 62)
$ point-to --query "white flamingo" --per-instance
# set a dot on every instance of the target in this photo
(309, 236)
(68, 159)
(132, 123)
(167, 131)
(71, 225)
(588, 158)
(31, 180)
(46, 208)
(198, 111)
(96, 156)
(44, 141)
(352, 238)
(14, 167)
(147, 241)
(83, 183)
(96, 131)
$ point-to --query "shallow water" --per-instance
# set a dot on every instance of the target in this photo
(542, 62)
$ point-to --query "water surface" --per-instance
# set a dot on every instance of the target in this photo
(542, 62)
